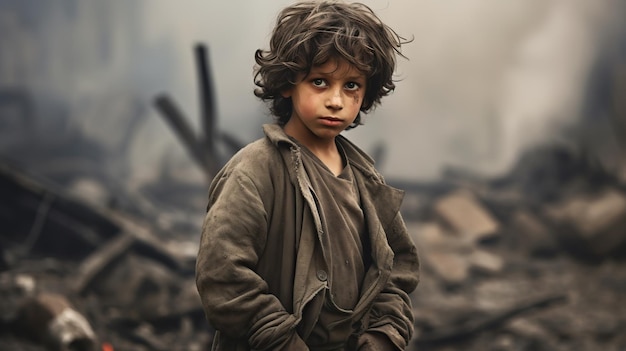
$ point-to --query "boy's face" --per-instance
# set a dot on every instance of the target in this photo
(325, 102)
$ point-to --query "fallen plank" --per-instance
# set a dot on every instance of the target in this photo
(99, 260)
(69, 227)
(457, 333)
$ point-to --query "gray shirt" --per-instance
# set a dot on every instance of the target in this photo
(344, 222)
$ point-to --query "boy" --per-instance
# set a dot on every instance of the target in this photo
(303, 246)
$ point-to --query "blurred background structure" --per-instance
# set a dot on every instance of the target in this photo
(484, 80)
(495, 95)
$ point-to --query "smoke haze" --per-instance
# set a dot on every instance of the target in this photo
(485, 79)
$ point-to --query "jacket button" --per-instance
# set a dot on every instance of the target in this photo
(322, 275)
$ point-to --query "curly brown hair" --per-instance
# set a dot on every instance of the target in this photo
(310, 33)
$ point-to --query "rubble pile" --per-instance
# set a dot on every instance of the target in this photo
(535, 260)
(74, 276)
(531, 261)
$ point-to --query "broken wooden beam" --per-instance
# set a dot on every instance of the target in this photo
(97, 262)
(177, 121)
(42, 217)
(207, 102)
(474, 326)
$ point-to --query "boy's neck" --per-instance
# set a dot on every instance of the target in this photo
(328, 153)
(331, 157)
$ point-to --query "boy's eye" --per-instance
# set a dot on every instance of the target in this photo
(352, 86)
(318, 82)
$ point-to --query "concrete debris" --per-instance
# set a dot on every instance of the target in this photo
(462, 212)
(486, 262)
(51, 320)
(592, 223)
(453, 258)
(452, 268)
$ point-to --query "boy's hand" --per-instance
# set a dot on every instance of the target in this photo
(294, 343)
(375, 342)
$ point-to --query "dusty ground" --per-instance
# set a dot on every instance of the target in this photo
(585, 306)
(577, 306)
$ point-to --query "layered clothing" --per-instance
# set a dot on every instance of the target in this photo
(264, 259)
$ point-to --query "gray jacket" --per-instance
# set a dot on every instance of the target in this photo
(262, 256)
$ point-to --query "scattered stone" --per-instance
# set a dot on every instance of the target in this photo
(464, 214)
(433, 236)
(592, 223)
(451, 267)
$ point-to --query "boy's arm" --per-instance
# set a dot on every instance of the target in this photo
(236, 299)
(391, 314)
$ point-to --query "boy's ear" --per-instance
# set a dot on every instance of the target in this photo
(286, 93)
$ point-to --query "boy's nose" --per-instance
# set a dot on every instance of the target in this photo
(334, 100)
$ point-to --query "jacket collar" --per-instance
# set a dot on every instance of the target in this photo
(358, 157)
(386, 200)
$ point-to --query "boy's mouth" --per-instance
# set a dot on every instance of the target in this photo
(331, 121)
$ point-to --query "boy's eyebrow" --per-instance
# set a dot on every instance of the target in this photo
(326, 74)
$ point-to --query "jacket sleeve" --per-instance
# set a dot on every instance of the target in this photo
(236, 299)
(391, 312)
